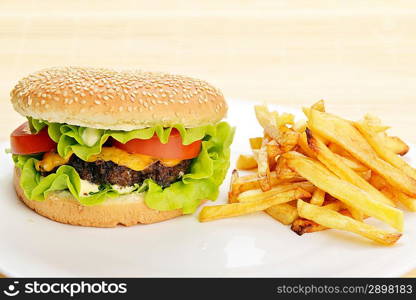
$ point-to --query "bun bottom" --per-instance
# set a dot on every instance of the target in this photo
(125, 210)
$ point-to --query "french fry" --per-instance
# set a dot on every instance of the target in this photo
(255, 143)
(299, 126)
(267, 121)
(210, 213)
(255, 195)
(339, 168)
(288, 139)
(245, 183)
(377, 143)
(285, 137)
(285, 119)
(338, 150)
(305, 185)
(263, 169)
(336, 205)
(234, 189)
(408, 202)
(355, 213)
(332, 219)
(283, 172)
(346, 192)
(303, 144)
(366, 175)
(318, 197)
(394, 143)
(344, 134)
(399, 197)
(284, 213)
(273, 151)
(377, 181)
(352, 163)
(246, 162)
(375, 123)
(301, 226)
(319, 106)
(251, 182)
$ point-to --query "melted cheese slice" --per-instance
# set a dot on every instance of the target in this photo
(137, 162)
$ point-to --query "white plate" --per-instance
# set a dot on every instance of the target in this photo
(254, 245)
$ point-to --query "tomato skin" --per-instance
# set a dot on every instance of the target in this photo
(173, 149)
(22, 141)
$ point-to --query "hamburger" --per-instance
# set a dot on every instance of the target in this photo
(103, 147)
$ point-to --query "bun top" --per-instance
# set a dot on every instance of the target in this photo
(125, 100)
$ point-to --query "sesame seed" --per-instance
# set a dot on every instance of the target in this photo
(97, 102)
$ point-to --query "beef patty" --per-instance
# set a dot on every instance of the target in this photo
(107, 172)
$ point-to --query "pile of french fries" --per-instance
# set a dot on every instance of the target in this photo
(323, 172)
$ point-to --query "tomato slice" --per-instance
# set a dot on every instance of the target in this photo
(22, 141)
(173, 149)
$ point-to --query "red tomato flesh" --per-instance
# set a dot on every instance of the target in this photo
(22, 141)
(173, 149)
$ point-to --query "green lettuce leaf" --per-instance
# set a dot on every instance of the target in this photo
(207, 171)
(20, 160)
(85, 142)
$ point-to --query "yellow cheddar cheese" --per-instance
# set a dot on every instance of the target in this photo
(134, 161)
(50, 161)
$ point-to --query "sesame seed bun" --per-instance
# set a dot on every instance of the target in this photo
(126, 210)
(119, 100)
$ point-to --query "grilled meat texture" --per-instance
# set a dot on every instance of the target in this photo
(107, 172)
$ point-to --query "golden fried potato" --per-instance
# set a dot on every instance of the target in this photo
(234, 190)
(346, 192)
(341, 169)
(210, 213)
(255, 143)
(318, 197)
(246, 162)
(284, 213)
(341, 132)
(377, 143)
(301, 226)
(335, 220)
(254, 195)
